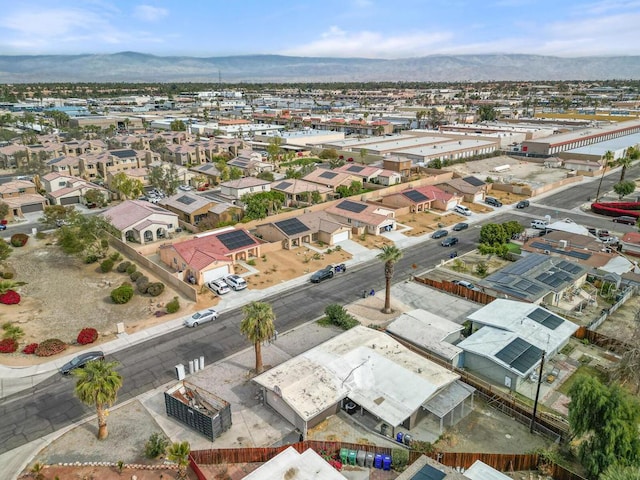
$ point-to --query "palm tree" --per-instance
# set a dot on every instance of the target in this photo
(98, 384)
(258, 326)
(390, 255)
(608, 161)
(624, 162)
(178, 453)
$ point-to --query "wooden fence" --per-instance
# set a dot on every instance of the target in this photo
(196, 469)
(459, 290)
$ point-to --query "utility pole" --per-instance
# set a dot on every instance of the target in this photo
(535, 404)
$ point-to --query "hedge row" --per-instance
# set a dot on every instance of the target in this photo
(617, 209)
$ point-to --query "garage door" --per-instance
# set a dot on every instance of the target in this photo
(69, 200)
(215, 273)
(34, 207)
(279, 405)
(340, 237)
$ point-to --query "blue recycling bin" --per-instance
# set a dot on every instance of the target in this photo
(377, 461)
(386, 462)
(399, 436)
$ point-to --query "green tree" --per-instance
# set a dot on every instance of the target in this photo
(608, 162)
(493, 234)
(435, 163)
(86, 236)
(390, 255)
(620, 472)
(624, 188)
(335, 163)
(178, 453)
(178, 126)
(127, 187)
(266, 176)
(487, 113)
(95, 197)
(5, 250)
(235, 173)
(606, 420)
(328, 154)
(624, 162)
(54, 214)
(258, 326)
(4, 210)
(363, 155)
(261, 204)
(97, 385)
(274, 149)
(511, 228)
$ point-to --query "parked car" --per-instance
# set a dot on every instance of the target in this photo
(185, 188)
(464, 283)
(626, 219)
(439, 234)
(323, 274)
(460, 226)
(462, 210)
(202, 316)
(522, 204)
(449, 242)
(218, 287)
(236, 282)
(80, 361)
(2, 226)
(493, 201)
(539, 224)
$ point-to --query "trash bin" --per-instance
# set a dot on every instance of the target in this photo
(377, 460)
(368, 461)
(407, 439)
(399, 436)
(384, 429)
(386, 462)
(360, 458)
(344, 455)
(353, 454)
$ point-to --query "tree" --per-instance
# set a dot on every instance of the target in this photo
(606, 419)
(4, 210)
(620, 472)
(624, 162)
(266, 176)
(608, 161)
(178, 126)
(627, 370)
(363, 155)
(335, 163)
(390, 255)
(328, 154)
(53, 215)
(5, 250)
(274, 149)
(511, 228)
(487, 113)
(624, 188)
(128, 187)
(261, 204)
(258, 326)
(493, 234)
(97, 385)
(235, 173)
(95, 197)
(86, 236)
(178, 453)
(436, 163)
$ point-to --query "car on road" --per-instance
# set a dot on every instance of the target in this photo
(449, 242)
(464, 283)
(522, 204)
(493, 201)
(219, 287)
(439, 234)
(460, 226)
(320, 275)
(3, 227)
(202, 316)
(626, 219)
(236, 282)
(80, 361)
(185, 188)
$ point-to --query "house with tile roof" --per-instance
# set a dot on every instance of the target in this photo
(630, 243)
(209, 171)
(141, 222)
(305, 228)
(471, 188)
(65, 165)
(250, 163)
(211, 255)
(68, 190)
(330, 178)
(190, 207)
(420, 199)
(22, 197)
(363, 217)
(300, 192)
(242, 186)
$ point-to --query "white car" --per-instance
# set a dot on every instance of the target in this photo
(236, 282)
(202, 316)
(218, 287)
(185, 188)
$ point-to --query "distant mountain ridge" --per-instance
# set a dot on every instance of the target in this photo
(141, 67)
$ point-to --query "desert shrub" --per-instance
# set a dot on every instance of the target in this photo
(142, 284)
(91, 258)
(19, 239)
(122, 267)
(135, 275)
(87, 335)
(399, 458)
(122, 294)
(337, 315)
(7, 275)
(106, 265)
(251, 262)
(482, 269)
(131, 268)
(12, 331)
(41, 235)
(30, 349)
(156, 445)
(156, 288)
(10, 297)
(173, 306)
(115, 256)
(337, 248)
(8, 345)
(50, 346)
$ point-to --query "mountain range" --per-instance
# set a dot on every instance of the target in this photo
(140, 67)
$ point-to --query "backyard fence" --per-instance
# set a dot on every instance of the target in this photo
(459, 290)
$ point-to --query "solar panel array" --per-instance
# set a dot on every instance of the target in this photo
(236, 239)
(355, 168)
(554, 278)
(476, 182)
(282, 186)
(520, 355)
(328, 175)
(186, 200)
(569, 267)
(545, 318)
(529, 287)
(123, 153)
(207, 166)
(292, 226)
(415, 196)
(350, 206)
(569, 253)
(429, 473)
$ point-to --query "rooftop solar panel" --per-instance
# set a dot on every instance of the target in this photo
(350, 206)
(292, 226)
(283, 186)
(355, 168)
(528, 359)
(545, 318)
(513, 350)
(415, 196)
(429, 473)
(519, 355)
(476, 182)
(235, 239)
(328, 175)
(123, 153)
(185, 200)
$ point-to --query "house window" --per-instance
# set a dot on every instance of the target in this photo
(175, 260)
(21, 190)
(62, 184)
(170, 226)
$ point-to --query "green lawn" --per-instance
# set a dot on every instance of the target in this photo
(514, 248)
(582, 369)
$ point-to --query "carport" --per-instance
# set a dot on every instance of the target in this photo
(449, 404)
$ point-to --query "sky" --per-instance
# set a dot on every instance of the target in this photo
(388, 29)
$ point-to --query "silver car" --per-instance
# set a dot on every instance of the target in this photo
(203, 316)
(236, 282)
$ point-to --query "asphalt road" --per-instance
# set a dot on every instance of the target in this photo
(51, 404)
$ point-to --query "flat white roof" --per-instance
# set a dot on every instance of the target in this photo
(445, 147)
(366, 365)
(351, 142)
(289, 464)
(482, 471)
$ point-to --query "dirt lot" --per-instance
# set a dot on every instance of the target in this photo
(506, 197)
(372, 241)
(621, 324)
(466, 264)
(427, 222)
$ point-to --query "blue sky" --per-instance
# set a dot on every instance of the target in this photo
(338, 28)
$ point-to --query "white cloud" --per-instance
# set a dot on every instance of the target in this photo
(339, 43)
(149, 13)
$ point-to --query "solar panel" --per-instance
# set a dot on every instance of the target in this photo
(282, 186)
(569, 253)
(476, 182)
(186, 200)
(292, 226)
(528, 359)
(328, 175)
(545, 318)
(580, 255)
(207, 166)
(123, 153)
(519, 355)
(428, 473)
(355, 168)
(415, 196)
(513, 350)
(351, 206)
(236, 239)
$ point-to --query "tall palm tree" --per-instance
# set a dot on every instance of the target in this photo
(608, 161)
(390, 255)
(178, 453)
(258, 326)
(624, 162)
(98, 384)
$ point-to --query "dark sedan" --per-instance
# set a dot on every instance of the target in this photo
(322, 275)
(522, 204)
(80, 361)
(439, 234)
(460, 226)
(449, 242)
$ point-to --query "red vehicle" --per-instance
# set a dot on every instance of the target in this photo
(350, 159)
